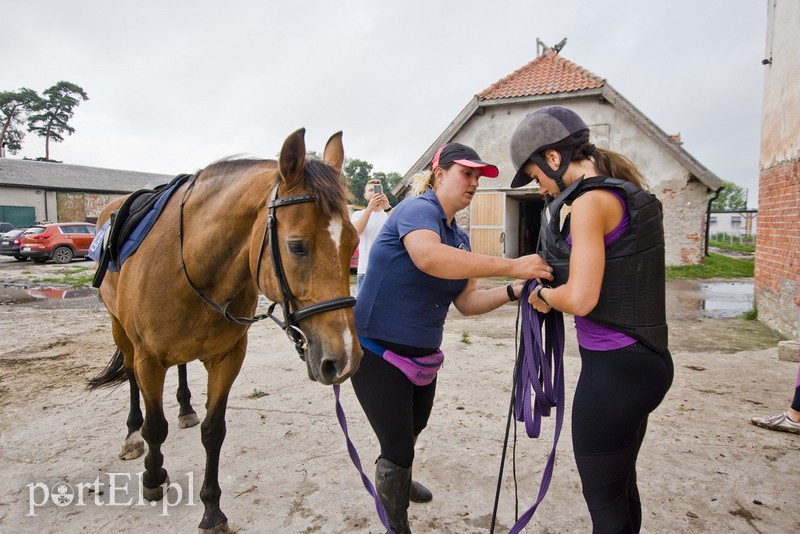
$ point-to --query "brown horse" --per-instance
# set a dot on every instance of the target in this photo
(190, 290)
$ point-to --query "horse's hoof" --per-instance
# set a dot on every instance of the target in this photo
(133, 447)
(188, 420)
(155, 494)
(222, 528)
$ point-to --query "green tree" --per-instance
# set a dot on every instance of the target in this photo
(731, 198)
(51, 114)
(358, 172)
(14, 106)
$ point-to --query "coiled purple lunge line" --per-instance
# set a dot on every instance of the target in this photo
(539, 367)
(351, 450)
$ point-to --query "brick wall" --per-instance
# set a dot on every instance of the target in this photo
(777, 276)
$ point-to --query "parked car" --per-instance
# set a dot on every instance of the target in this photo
(57, 241)
(10, 242)
(5, 227)
(354, 261)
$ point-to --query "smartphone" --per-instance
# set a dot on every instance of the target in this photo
(377, 189)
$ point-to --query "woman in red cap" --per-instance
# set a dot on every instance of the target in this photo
(419, 265)
(608, 267)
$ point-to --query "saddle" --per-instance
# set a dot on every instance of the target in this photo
(136, 216)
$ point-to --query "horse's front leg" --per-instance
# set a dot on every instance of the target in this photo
(133, 447)
(187, 417)
(222, 371)
(150, 377)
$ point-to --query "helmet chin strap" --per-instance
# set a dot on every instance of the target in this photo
(556, 175)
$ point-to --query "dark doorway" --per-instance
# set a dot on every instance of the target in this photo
(530, 212)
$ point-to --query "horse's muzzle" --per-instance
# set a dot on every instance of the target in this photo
(329, 369)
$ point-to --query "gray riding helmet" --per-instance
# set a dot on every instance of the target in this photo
(553, 127)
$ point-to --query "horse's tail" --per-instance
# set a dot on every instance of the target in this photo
(112, 375)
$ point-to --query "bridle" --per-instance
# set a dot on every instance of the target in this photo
(292, 314)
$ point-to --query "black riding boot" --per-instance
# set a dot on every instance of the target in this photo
(419, 493)
(394, 486)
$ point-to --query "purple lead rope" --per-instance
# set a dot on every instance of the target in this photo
(351, 450)
(537, 362)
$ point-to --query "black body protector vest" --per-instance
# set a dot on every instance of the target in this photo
(632, 296)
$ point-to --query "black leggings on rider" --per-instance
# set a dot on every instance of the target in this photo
(616, 392)
(397, 409)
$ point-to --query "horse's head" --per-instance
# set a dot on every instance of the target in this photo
(315, 241)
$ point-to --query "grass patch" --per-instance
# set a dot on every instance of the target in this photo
(725, 245)
(257, 394)
(465, 338)
(713, 266)
(74, 277)
(750, 315)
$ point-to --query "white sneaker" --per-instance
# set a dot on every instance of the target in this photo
(777, 422)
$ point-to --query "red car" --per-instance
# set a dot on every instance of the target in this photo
(57, 241)
(354, 261)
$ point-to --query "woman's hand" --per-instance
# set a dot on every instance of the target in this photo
(536, 301)
(531, 266)
(517, 286)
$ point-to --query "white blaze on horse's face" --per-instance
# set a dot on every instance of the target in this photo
(335, 229)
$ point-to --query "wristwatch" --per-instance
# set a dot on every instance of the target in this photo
(511, 296)
(539, 294)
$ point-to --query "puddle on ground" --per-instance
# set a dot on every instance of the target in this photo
(21, 295)
(685, 298)
(716, 300)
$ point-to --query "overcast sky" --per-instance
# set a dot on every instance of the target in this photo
(175, 85)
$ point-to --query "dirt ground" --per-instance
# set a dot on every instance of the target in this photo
(285, 468)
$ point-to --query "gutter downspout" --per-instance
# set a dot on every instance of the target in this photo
(708, 215)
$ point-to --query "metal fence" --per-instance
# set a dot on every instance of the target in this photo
(731, 239)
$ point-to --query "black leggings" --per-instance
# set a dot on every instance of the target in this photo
(616, 392)
(397, 409)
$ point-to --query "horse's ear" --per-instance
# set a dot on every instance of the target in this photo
(334, 152)
(293, 157)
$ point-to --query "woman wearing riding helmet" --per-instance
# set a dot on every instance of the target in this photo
(607, 256)
(420, 264)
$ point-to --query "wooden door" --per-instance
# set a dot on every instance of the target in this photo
(487, 223)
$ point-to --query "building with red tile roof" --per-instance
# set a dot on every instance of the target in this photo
(504, 221)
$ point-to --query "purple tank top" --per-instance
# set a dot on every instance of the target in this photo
(595, 336)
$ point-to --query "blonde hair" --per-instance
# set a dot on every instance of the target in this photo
(421, 182)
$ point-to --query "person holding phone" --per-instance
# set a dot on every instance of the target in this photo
(368, 223)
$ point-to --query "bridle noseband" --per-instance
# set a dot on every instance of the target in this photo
(292, 315)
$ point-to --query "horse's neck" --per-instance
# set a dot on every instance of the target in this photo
(223, 223)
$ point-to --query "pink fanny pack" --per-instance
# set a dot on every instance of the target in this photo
(422, 370)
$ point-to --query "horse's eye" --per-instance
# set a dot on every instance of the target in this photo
(297, 247)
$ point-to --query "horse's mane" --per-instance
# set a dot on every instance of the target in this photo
(323, 180)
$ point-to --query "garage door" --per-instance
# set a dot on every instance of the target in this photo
(19, 216)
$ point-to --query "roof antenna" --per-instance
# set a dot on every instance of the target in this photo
(541, 48)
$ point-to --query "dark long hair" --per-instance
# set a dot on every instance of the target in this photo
(610, 163)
